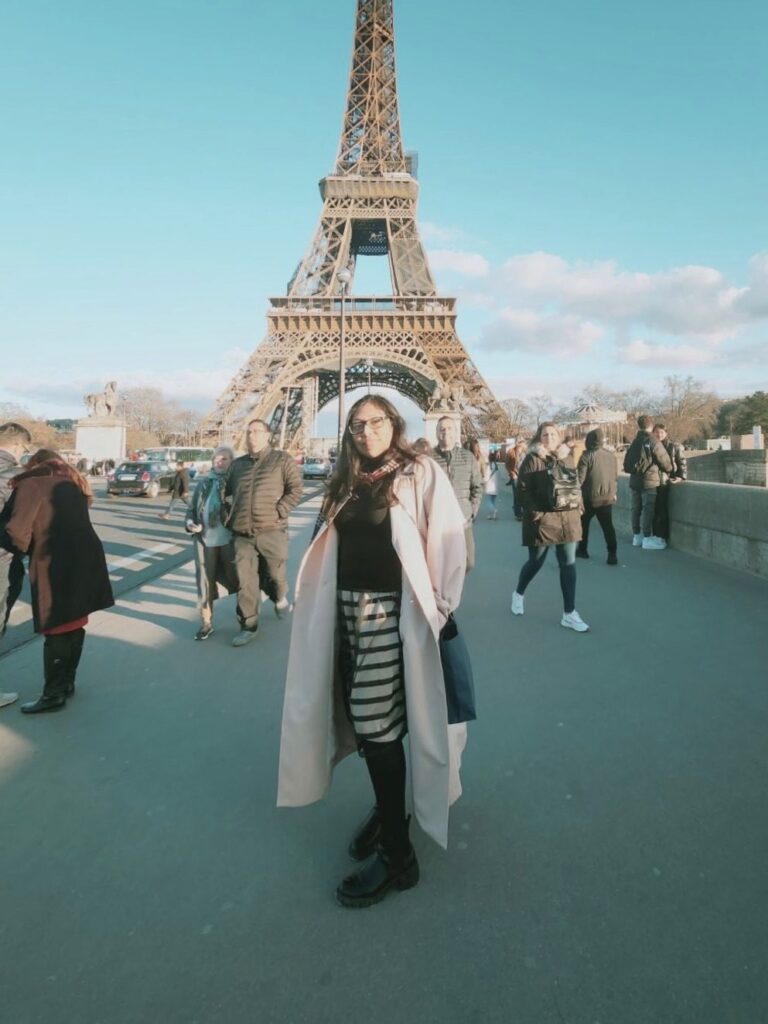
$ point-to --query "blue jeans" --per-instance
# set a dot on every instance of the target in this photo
(566, 559)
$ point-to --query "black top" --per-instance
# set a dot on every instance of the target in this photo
(367, 560)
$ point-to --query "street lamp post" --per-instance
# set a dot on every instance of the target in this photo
(344, 276)
(284, 424)
(369, 365)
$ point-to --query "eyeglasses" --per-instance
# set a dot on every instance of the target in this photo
(376, 423)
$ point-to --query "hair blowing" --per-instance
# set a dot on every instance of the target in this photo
(346, 476)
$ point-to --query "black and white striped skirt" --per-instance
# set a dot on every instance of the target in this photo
(371, 663)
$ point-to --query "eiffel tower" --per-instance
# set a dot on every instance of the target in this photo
(406, 340)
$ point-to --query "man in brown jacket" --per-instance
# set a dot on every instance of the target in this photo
(263, 486)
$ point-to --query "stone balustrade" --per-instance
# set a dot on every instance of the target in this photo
(727, 523)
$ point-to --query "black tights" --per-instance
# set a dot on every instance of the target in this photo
(386, 767)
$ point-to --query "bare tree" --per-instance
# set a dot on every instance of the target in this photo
(689, 410)
(521, 416)
(541, 408)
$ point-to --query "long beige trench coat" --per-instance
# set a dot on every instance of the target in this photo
(428, 536)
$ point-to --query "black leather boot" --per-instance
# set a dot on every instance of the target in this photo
(394, 867)
(56, 659)
(76, 640)
(366, 837)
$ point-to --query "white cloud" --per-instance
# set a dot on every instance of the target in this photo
(189, 386)
(640, 352)
(563, 335)
(437, 233)
(690, 300)
(467, 264)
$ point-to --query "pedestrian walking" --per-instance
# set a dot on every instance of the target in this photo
(67, 569)
(179, 489)
(214, 546)
(262, 487)
(678, 475)
(513, 461)
(464, 473)
(14, 442)
(490, 474)
(546, 469)
(391, 549)
(645, 460)
(598, 476)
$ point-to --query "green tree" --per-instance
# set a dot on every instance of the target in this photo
(752, 412)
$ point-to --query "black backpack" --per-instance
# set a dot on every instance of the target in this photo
(644, 460)
(563, 491)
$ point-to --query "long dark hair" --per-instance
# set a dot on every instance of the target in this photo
(346, 477)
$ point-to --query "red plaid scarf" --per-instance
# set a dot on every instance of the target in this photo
(377, 474)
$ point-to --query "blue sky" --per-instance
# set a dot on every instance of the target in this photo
(593, 185)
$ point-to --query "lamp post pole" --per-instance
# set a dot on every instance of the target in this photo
(284, 424)
(344, 277)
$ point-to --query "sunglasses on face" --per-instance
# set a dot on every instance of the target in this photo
(376, 423)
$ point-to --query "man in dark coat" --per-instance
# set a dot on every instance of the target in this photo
(14, 439)
(179, 488)
(646, 459)
(598, 476)
(67, 568)
(677, 476)
(263, 487)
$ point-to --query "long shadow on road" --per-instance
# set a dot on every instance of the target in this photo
(605, 861)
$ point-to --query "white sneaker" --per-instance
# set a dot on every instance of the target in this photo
(8, 698)
(283, 607)
(517, 604)
(637, 540)
(653, 544)
(574, 621)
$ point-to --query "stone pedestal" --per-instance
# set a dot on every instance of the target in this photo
(100, 438)
(430, 424)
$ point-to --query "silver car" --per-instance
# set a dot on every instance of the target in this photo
(316, 468)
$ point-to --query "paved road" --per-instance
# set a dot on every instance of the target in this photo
(606, 861)
(139, 547)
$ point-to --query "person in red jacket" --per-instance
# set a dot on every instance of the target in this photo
(47, 518)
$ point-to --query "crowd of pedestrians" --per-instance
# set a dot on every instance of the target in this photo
(375, 592)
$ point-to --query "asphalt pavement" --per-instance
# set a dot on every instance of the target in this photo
(138, 544)
(606, 862)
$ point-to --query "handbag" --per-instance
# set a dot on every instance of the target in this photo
(457, 673)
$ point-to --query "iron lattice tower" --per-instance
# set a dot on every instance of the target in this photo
(406, 340)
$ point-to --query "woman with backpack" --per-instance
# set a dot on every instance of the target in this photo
(549, 492)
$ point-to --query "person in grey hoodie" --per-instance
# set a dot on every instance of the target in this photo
(598, 476)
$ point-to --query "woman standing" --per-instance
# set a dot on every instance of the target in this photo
(48, 518)
(381, 576)
(543, 528)
(214, 549)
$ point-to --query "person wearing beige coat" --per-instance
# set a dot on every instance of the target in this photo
(427, 534)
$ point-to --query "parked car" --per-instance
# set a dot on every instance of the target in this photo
(141, 478)
(316, 468)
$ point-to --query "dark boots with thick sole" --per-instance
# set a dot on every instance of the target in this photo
(394, 865)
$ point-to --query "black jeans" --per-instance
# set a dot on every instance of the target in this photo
(604, 515)
(661, 513)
